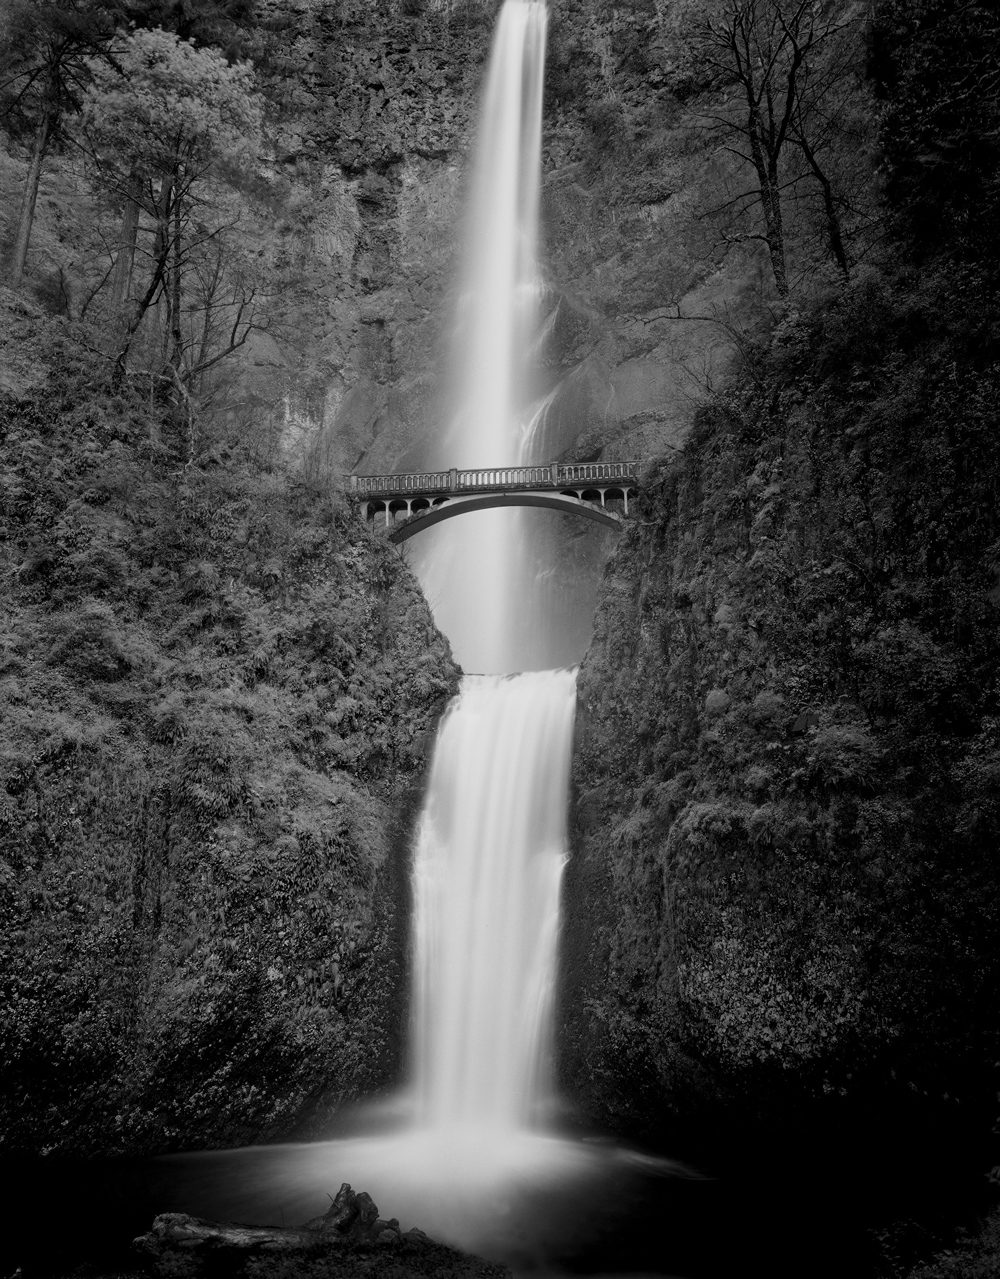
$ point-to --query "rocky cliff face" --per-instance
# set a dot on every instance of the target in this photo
(653, 283)
(350, 225)
(783, 887)
(707, 727)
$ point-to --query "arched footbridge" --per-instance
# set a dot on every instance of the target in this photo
(409, 503)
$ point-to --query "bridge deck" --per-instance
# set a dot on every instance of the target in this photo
(506, 479)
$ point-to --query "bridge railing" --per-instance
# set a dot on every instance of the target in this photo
(553, 475)
(413, 482)
(506, 477)
(576, 471)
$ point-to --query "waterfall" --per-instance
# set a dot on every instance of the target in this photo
(489, 856)
(491, 838)
(481, 573)
(475, 1160)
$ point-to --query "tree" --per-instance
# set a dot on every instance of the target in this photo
(219, 24)
(166, 123)
(776, 52)
(50, 50)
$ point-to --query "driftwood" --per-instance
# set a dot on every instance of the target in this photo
(349, 1241)
(351, 1218)
(177, 1230)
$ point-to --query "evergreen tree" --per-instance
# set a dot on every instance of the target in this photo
(50, 51)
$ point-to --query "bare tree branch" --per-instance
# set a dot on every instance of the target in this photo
(770, 49)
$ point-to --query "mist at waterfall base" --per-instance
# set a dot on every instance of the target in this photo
(469, 1152)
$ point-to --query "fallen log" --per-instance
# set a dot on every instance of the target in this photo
(351, 1218)
(349, 1241)
(188, 1234)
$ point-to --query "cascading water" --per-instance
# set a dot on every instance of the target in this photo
(476, 1156)
(480, 573)
(489, 855)
(491, 838)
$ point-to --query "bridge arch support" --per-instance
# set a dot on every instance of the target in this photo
(423, 513)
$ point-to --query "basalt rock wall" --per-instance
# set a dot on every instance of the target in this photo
(785, 807)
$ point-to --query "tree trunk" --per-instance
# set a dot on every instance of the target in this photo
(176, 335)
(833, 231)
(775, 231)
(175, 1230)
(770, 197)
(351, 1219)
(43, 134)
(161, 255)
(125, 259)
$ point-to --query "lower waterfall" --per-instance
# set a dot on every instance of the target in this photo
(489, 854)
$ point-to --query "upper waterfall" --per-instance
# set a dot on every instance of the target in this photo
(497, 315)
(479, 577)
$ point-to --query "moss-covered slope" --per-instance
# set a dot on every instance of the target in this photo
(785, 881)
(788, 751)
(216, 688)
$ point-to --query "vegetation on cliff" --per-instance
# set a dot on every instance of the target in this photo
(216, 687)
(214, 182)
(786, 882)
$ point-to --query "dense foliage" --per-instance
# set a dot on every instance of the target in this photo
(934, 64)
(789, 754)
(215, 688)
(795, 709)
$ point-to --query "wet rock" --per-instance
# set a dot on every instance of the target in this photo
(351, 1216)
